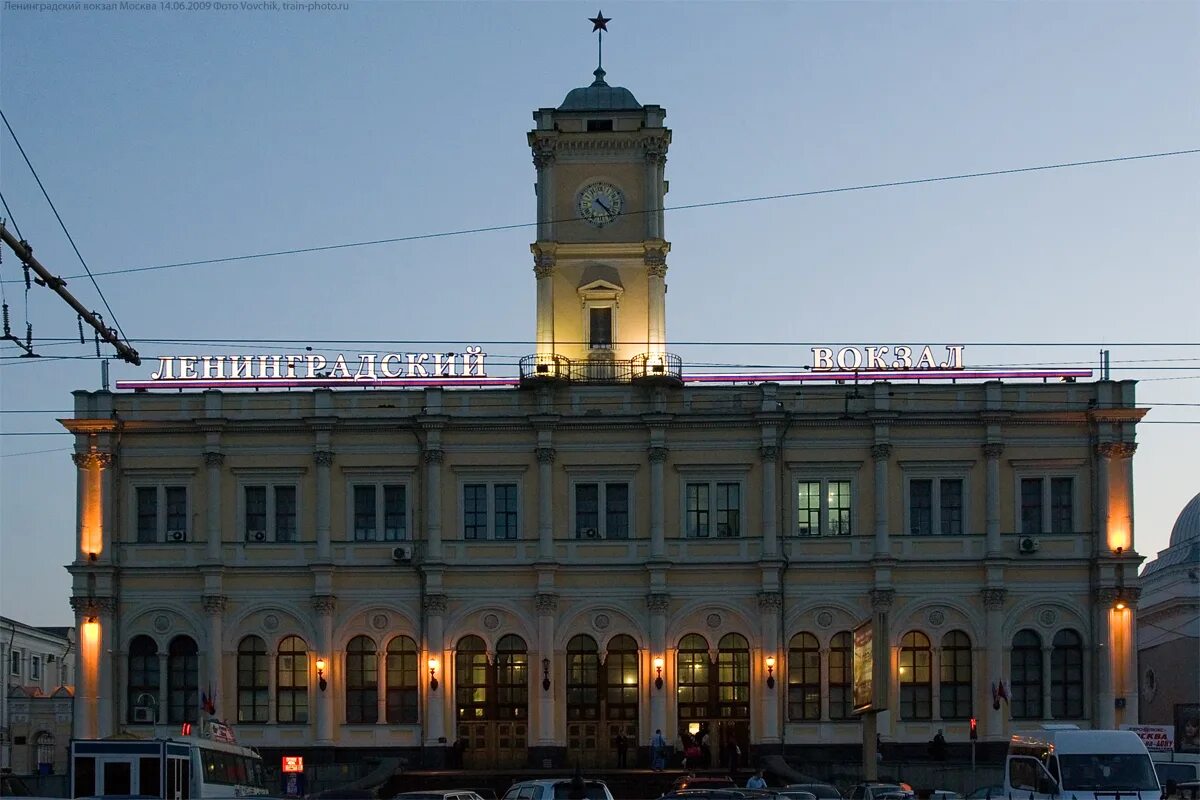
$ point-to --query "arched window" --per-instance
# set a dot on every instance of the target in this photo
(733, 677)
(362, 680)
(583, 676)
(252, 680)
(291, 681)
(841, 675)
(471, 680)
(512, 678)
(955, 676)
(621, 681)
(916, 679)
(142, 684)
(1025, 670)
(44, 750)
(1066, 676)
(402, 680)
(692, 671)
(804, 677)
(183, 680)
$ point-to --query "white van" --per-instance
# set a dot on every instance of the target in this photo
(1062, 761)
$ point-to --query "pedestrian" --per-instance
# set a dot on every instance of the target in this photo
(937, 748)
(658, 750)
(734, 755)
(622, 747)
(878, 749)
(757, 781)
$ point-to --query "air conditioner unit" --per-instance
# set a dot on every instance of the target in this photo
(724, 529)
(402, 554)
(176, 536)
(143, 714)
(1028, 544)
(257, 536)
(589, 533)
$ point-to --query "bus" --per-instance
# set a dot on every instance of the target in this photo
(1062, 761)
(193, 765)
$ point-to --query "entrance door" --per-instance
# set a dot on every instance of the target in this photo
(492, 703)
(714, 704)
(602, 702)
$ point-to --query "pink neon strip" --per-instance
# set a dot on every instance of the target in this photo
(787, 377)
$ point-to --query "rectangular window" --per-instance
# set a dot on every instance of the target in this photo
(270, 513)
(475, 511)
(729, 509)
(285, 513)
(1062, 505)
(602, 510)
(505, 495)
(935, 506)
(1031, 505)
(147, 514)
(490, 510)
(823, 508)
(177, 508)
(256, 513)
(697, 510)
(713, 508)
(380, 512)
(35, 668)
(600, 322)
(161, 514)
(1048, 505)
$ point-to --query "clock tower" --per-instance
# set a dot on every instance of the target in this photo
(600, 258)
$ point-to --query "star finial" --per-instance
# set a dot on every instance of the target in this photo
(599, 22)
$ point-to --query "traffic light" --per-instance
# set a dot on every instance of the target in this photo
(974, 729)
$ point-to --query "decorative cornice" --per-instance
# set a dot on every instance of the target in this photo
(324, 603)
(993, 598)
(1116, 449)
(993, 450)
(882, 599)
(324, 458)
(545, 455)
(214, 604)
(434, 604)
(658, 602)
(768, 452)
(546, 603)
(657, 455)
(434, 456)
(213, 458)
(881, 452)
(770, 601)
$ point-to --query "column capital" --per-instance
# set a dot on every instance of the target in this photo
(324, 458)
(770, 601)
(92, 458)
(324, 604)
(434, 604)
(658, 602)
(993, 598)
(545, 455)
(657, 455)
(881, 452)
(1116, 449)
(433, 456)
(1106, 595)
(214, 604)
(882, 599)
(212, 458)
(655, 151)
(768, 452)
(543, 152)
(993, 450)
(93, 606)
(546, 603)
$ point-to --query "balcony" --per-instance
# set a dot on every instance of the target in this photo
(654, 368)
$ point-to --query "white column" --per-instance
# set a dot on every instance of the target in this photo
(1103, 503)
(435, 647)
(163, 687)
(324, 460)
(381, 685)
(770, 479)
(1047, 661)
(324, 605)
(543, 269)
(993, 604)
(212, 491)
(881, 453)
(991, 452)
(769, 605)
(1105, 693)
(1129, 653)
(433, 502)
(656, 312)
(658, 524)
(543, 162)
(547, 605)
(824, 672)
(545, 457)
(659, 605)
(272, 686)
(214, 607)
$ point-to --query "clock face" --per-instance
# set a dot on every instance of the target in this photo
(600, 203)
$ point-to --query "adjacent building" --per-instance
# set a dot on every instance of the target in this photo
(36, 705)
(601, 543)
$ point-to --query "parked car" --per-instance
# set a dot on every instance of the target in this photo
(796, 794)
(944, 794)
(986, 792)
(556, 789)
(439, 794)
(823, 791)
(703, 782)
(880, 791)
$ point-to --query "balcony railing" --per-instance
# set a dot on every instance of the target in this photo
(647, 367)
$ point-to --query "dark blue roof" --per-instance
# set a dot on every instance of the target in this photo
(600, 97)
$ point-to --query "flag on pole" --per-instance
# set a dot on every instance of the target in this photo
(207, 702)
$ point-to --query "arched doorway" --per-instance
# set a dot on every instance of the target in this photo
(492, 702)
(714, 704)
(602, 701)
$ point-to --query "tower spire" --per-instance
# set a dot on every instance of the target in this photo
(599, 23)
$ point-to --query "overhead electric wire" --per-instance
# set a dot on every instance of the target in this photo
(687, 206)
(63, 225)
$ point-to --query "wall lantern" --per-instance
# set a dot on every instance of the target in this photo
(545, 674)
(770, 672)
(433, 681)
(658, 679)
(321, 682)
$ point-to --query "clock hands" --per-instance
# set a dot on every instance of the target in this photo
(598, 201)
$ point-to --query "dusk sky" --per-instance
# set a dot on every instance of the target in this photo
(170, 135)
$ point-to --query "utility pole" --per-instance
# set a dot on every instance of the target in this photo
(25, 253)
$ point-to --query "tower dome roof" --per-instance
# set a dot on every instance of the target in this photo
(1187, 524)
(600, 97)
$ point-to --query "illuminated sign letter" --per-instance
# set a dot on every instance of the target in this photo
(875, 358)
(166, 369)
(822, 358)
(315, 365)
(844, 363)
(473, 362)
(415, 368)
(927, 361)
(386, 371)
(366, 367)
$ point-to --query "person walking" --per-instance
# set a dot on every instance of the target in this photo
(658, 750)
(757, 781)
(622, 747)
